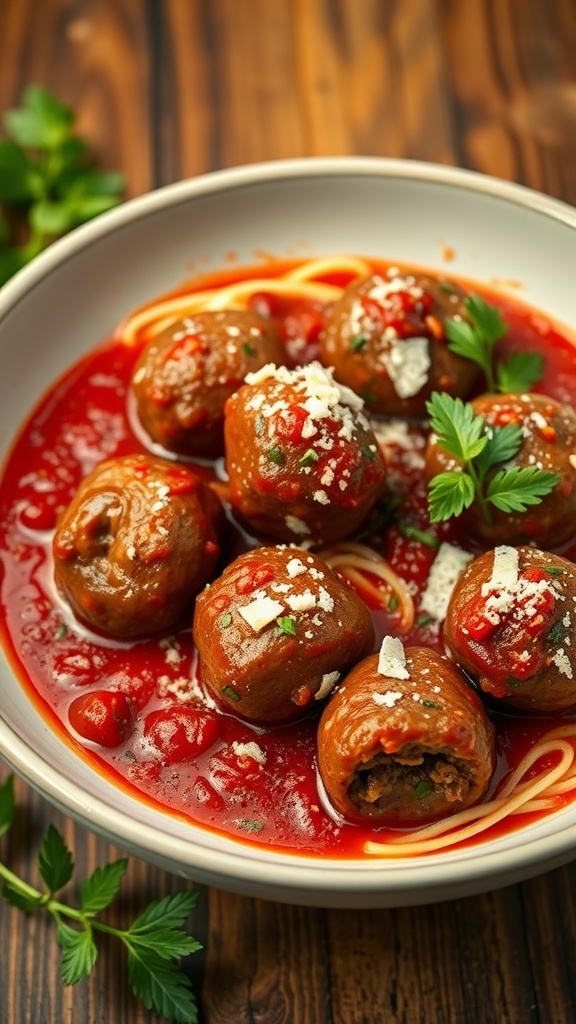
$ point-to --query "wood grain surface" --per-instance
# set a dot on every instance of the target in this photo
(165, 90)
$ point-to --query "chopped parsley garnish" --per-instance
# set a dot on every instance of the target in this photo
(413, 533)
(309, 458)
(513, 681)
(462, 434)
(228, 691)
(422, 789)
(424, 620)
(249, 349)
(369, 452)
(431, 704)
(556, 633)
(475, 340)
(393, 603)
(287, 624)
(226, 620)
(61, 632)
(275, 455)
(250, 825)
(553, 570)
(259, 424)
(357, 342)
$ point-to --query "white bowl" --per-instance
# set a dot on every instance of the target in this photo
(71, 298)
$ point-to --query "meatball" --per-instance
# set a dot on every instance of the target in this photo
(275, 632)
(511, 624)
(136, 544)
(301, 457)
(404, 739)
(184, 376)
(386, 340)
(548, 442)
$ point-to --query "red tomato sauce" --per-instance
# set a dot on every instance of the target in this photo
(211, 779)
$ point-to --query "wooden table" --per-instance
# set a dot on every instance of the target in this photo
(166, 90)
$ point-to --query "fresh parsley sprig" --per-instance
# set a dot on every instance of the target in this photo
(48, 183)
(154, 941)
(463, 435)
(475, 340)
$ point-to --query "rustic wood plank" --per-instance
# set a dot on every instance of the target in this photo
(371, 79)
(94, 56)
(512, 72)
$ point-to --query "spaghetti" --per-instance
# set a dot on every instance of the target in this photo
(518, 795)
(300, 282)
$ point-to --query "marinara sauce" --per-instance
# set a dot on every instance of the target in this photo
(254, 784)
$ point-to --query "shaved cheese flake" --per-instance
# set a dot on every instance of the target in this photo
(504, 570)
(329, 680)
(407, 362)
(392, 659)
(260, 612)
(446, 569)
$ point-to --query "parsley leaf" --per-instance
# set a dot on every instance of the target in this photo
(464, 436)
(154, 942)
(475, 339)
(55, 861)
(521, 371)
(513, 490)
(47, 182)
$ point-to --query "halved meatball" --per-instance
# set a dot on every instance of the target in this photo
(184, 376)
(138, 541)
(548, 442)
(302, 460)
(404, 739)
(511, 623)
(386, 340)
(276, 631)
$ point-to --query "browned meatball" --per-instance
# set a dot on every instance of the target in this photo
(404, 739)
(137, 542)
(511, 623)
(386, 340)
(275, 632)
(302, 459)
(184, 376)
(548, 442)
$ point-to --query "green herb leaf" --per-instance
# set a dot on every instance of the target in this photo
(423, 788)
(55, 860)
(553, 570)
(422, 536)
(250, 825)
(228, 691)
(503, 444)
(249, 349)
(101, 887)
(475, 340)
(161, 986)
(259, 424)
(226, 620)
(41, 122)
(556, 633)
(7, 804)
(465, 436)
(171, 911)
(449, 494)
(287, 624)
(20, 897)
(79, 953)
(513, 490)
(15, 174)
(357, 342)
(275, 455)
(520, 372)
(309, 458)
(460, 432)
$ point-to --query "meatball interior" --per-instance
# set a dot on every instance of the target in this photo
(386, 339)
(404, 739)
(136, 544)
(275, 632)
(511, 623)
(302, 459)
(184, 376)
(548, 442)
